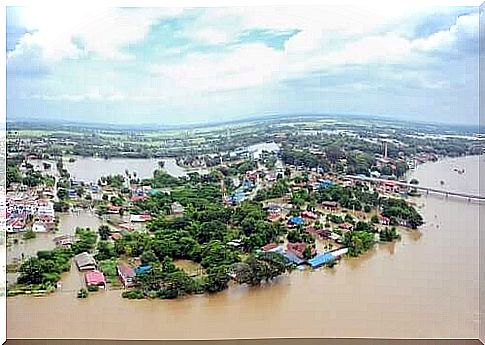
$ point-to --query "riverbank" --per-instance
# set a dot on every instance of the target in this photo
(432, 290)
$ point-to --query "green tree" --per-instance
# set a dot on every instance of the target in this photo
(104, 232)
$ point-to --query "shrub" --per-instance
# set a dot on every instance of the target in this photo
(133, 294)
(93, 288)
(82, 293)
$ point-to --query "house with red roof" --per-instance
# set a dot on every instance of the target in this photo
(116, 236)
(384, 220)
(95, 278)
(135, 198)
(269, 246)
(114, 209)
(329, 205)
(346, 226)
(127, 274)
(298, 249)
(309, 215)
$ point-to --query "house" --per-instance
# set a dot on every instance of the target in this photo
(45, 208)
(142, 269)
(64, 241)
(140, 218)
(274, 217)
(375, 174)
(320, 260)
(177, 209)
(296, 220)
(126, 226)
(95, 278)
(38, 227)
(114, 209)
(325, 183)
(346, 226)
(298, 249)
(116, 236)
(127, 274)
(48, 222)
(384, 220)
(85, 261)
(292, 258)
(329, 205)
(268, 247)
(72, 193)
(235, 243)
(309, 215)
(339, 252)
(135, 198)
(273, 208)
(15, 225)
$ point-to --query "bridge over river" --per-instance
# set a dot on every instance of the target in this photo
(418, 187)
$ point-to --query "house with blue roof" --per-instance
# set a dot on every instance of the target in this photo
(142, 269)
(296, 220)
(292, 258)
(325, 183)
(72, 193)
(320, 260)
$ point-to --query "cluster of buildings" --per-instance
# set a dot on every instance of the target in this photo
(294, 253)
(25, 211)
(242, 192)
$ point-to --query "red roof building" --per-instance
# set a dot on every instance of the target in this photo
(127, 274)
(116, 236)
(134, 198)
(309, 215)
(384, 220)
(298, 249)
(269, 246)
(114, 209)
(346, 226)
(95, 278)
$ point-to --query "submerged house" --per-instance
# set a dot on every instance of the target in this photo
(85, 261)
(292, 258)
(127, 274)
(95, 278)
(298, 248)
(64, 241)
(320, 260)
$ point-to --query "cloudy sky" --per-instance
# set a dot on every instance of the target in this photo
(167, 66)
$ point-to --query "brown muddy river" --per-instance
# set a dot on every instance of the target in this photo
(425, 285)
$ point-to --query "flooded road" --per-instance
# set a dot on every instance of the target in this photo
(425, 285)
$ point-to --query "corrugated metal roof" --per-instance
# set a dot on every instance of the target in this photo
(320, 260)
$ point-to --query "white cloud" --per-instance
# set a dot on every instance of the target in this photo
(465, 28)
(102, 31)
(92, 95)
(328, 38)
(248, 65)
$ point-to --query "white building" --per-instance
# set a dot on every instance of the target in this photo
(45, 208)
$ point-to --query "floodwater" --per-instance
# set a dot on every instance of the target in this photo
(91, 169)
(425, 285)
(44, 240)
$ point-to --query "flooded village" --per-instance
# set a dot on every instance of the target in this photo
(141, 230)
